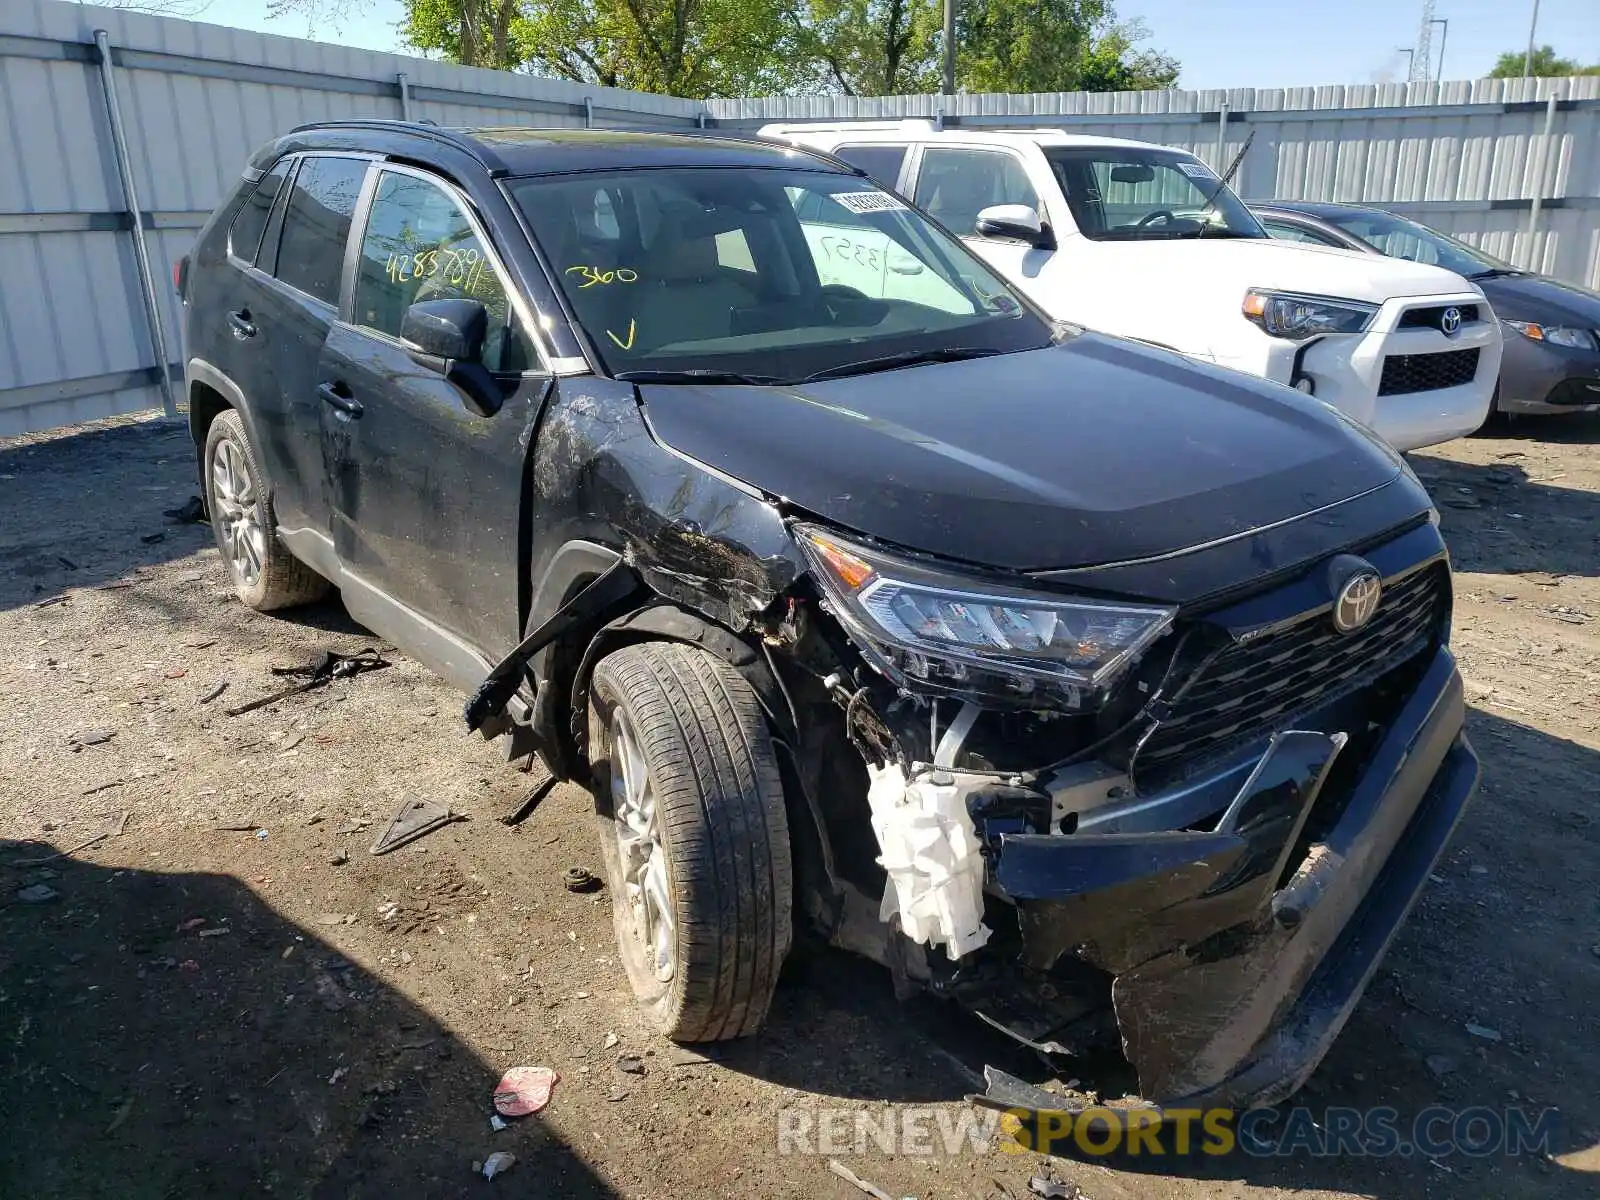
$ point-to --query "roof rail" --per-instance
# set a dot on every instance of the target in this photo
(450, 137)
(909, 125)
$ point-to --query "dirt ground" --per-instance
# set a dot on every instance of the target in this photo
(229, 994)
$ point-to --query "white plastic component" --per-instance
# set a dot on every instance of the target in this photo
(930, 850)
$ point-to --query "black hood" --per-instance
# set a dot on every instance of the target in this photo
(1541, 299)
(1098, 450)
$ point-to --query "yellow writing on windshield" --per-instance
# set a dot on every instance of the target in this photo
(626, 345)
(591, 276)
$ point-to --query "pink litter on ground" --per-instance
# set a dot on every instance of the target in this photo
(524, 1090)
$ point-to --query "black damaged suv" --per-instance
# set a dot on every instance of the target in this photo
(1062, 675)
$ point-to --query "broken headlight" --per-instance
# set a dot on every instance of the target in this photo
(928, 630)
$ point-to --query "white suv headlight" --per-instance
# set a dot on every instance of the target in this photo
(931, 631)
(1287, 315)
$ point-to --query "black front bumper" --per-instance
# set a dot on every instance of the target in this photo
(1234, 969)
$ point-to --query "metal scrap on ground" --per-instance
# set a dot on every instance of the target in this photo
(415, 818)
(320, 672)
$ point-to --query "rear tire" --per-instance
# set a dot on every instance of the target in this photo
(265, 575)
(695, 838)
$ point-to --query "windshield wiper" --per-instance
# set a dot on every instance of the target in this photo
(1496, 273)
(908, 358)
(694, 376)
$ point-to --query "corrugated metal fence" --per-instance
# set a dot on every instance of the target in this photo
(1511, 165)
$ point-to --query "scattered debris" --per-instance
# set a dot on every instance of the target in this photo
(71, 850)
(1572, 616)
(523, 1091)
(103, 787)
(416, 818)
(90, 737)
(191, 924)
(1440, 1065)
(62, 599)
(854, 1180)
(116, 585)
(221, 687)
(338, 1074)
(631, 1063)
(37, 893)
(121, 1115)
(611, 1040)
(1484, 1032)
(201, 644)
(292, 743)
(498, 1163)
(320, 672)
(497, 1122)
(1542, 578)
(1052, 1190)
(543, 783)
(189, 964)
(331, 919)
(339, 859)
(261, 835)
(579, 880)
(191, 512)
(246, 827)
(219, 931)
(150, 539)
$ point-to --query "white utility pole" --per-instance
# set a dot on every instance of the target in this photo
(1533, 25)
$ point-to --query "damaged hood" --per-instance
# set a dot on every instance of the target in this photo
(1096, 450)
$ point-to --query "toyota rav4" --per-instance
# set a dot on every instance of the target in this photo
(1064, 676)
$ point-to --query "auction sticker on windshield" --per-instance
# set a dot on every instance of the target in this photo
(1196, 170)
(867, 202)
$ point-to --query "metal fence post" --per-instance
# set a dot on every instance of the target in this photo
(588, 112)
(130, 194)
(404, 85)
(1533, 262)
(1222, 138)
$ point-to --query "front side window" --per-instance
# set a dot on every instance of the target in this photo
(1400, 238)
(316, 225)
(883, 163)
(1136, 193)
(765, 272)
(244, 239)
(419, 245)
(954, 185)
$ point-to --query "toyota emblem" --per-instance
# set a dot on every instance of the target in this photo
(1450, 320)
(1357, 600)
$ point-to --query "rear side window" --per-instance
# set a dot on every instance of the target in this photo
(883, 163)
(244, 239)
(955, 185)
(419, 245)
(316, 225)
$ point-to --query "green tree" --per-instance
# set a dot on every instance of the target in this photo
(1545, 63)
(1055, 46)
(869, 47)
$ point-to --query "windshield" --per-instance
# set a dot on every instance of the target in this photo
(1135, 193)
(1400, 238)
(772, 274)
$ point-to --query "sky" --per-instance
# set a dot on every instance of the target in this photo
(1220, 43)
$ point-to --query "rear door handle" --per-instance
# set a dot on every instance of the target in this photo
(338, 396)
(243, 326)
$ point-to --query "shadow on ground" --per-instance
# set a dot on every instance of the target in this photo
(146, 1059)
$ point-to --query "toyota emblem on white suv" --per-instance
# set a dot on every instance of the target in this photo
(1450, 320)
(1356, 600)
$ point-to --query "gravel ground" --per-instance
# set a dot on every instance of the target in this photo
(228, 992)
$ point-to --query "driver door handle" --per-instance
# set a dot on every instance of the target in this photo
(338, 395)
(243, 326)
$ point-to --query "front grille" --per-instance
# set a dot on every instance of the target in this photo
(1433, 318)
(1246, 691)
(1404, 373)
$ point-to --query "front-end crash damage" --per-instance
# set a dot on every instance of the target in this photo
(1192, 822)
(1218, 869)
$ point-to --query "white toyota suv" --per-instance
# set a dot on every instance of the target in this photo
(1147, 242)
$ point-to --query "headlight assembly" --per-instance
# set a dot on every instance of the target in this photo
(1557, 335)
(1286, 315)
(932, 631)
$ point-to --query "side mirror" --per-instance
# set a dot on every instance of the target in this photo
(1016, 222)
(448, 336)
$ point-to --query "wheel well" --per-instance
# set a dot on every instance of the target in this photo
(205, 403)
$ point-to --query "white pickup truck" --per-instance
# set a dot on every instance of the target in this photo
(1147, 242)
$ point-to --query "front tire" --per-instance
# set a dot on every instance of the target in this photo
(265, 575)
(695, 838)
